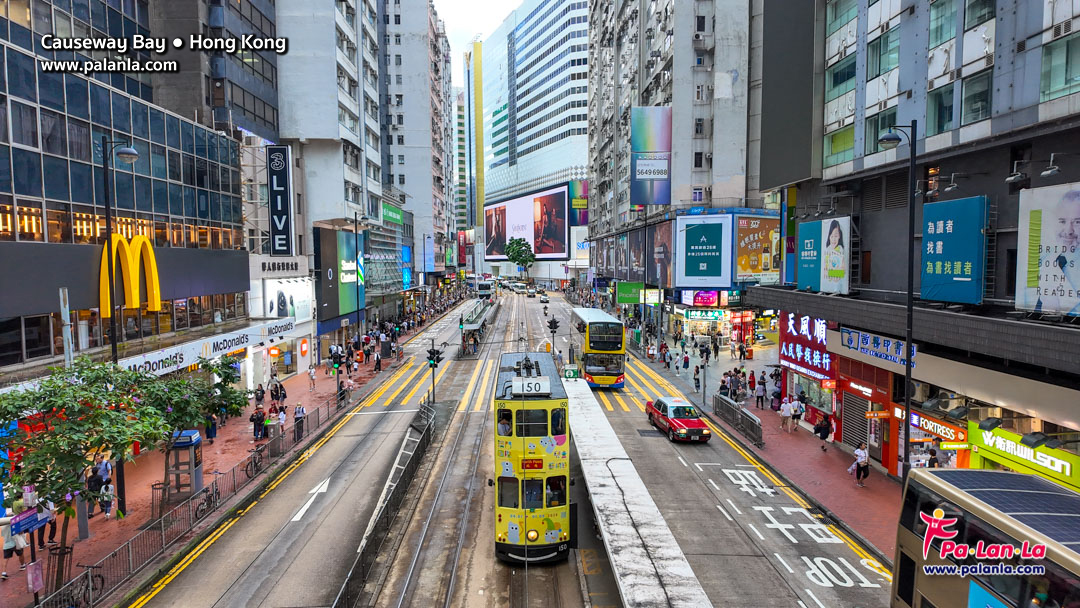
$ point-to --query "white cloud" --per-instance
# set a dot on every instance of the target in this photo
(467, 19)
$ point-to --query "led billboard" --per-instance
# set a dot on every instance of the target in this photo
(539, 217)
(336, 273)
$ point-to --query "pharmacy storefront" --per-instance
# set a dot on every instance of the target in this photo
(1001, 450)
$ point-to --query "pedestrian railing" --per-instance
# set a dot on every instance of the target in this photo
(97, 581)
(412, 451)
(741, 419)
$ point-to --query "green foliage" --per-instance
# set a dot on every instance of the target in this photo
(519, 251)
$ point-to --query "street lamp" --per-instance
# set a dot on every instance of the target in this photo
(127, 155)
(889, 141)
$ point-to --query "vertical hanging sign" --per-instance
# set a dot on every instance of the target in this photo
(279, 176)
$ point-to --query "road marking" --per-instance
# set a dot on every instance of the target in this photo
(733, 506)
(760, 536)
(621, 403)
(319, 489)
(464, 405)
(641, 377)
(381, 412)
(801, 605)
(637, 402)
(605, 400)
(485, 387)
(683, 462)
(725, 513)
(438, 377)
(814, 597)
(184, 563)
(390, 399)
(784, 564)
(709, 464)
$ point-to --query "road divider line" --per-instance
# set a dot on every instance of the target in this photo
(732, 503)
(469, 388)
(409, 396)
(814, 597)
(621, 403)
(485, 387)
(729, 518)
(683, 462)
(754, 528)
(397, 391)
(783, 563)
(604, 400)
(183, 564)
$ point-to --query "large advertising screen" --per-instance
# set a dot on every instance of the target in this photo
(287, 298)
(337, 273)
(622, 267)
(954, 245)
(824, 255)
(650, 155)
(578, 193)
(659, 255)
(636, 248)
(757, 249)
(1048, 240)
(540, 218)
(704, 245)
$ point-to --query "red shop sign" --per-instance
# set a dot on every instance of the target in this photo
(804, 346)
(865, 390)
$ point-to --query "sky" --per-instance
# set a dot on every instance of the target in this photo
(465, 19)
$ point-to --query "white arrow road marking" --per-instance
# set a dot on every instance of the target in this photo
(319, 489)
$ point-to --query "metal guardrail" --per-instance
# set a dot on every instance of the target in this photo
(94, 584)
(352, 590)
(741, 419)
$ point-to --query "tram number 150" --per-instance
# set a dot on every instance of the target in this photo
(538, 385)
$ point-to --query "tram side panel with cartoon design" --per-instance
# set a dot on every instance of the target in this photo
(533, 520)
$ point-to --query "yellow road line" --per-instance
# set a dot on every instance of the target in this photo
(184, 563)
(397, 391)
(621, 403)
(637, 402)
(643, 380)
(469, 388)
(438, 377)
(480, 399)
(607, 403)
(660, 380)
(637, 386)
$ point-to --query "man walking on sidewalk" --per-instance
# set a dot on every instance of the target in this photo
(298, 422)
(785, 415)
(759, 395)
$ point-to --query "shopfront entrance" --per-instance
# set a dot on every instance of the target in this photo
(810, 369)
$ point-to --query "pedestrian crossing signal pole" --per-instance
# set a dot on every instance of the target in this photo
(553, 325)
(434, 359)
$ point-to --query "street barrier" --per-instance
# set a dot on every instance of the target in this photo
(741, 419)
(420, 432)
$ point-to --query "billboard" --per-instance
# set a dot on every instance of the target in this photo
(336, 276)
(704, 245)
(650, 155)
(954, 247)
(462, 244)
(578, 192)
(628, 293)
(579, 236)
(636, 251)
(658, 255)
(824, 256)
(280, 203)
(1047, 243)
(539, 217)
(287, 298)
(757, 249)
(622, 270)
(429, 253)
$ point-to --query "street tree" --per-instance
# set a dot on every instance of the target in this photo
(520, 252)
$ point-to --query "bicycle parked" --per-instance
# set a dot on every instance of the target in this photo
(211, 498)
(255, 462)
(85, 590)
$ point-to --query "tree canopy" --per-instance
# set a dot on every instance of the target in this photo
(519, 251)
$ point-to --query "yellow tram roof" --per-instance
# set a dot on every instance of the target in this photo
(507, 371)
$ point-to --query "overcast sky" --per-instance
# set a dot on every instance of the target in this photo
(465, 20)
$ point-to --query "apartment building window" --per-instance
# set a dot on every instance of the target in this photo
(401, 159)
(699, 126)
(400, 119)
(942, 21)
(401, 179)
(699, 58)
(698, 195)
(977, 98)
(397, 59)
(876, 126)
(939, 110)
(700, 23)
(838, 13)
(699, 159)
(1060, 68)
(699, 92)
(397, 78)
(398, 100)
(839, 146)
(397, 19)
(883, 53)
(397, 38)
(978, 11)
(401, 140)
(840, 78)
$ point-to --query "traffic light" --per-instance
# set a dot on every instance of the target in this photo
(461, 322)
(434, 357)
(553, 325)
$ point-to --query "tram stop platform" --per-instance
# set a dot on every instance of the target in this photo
(646, 561)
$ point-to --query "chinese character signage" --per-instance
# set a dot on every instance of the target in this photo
(704, 245)
(650, 156)
(953, 250)
(803, 346)
(1048, 245)
(879, 347)
(757, 249)
(824, 255)
(703, 315)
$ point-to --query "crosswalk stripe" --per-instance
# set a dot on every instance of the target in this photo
(605, 400)
(397, 391)
(641, 378)
(640, 390)
(621, 403)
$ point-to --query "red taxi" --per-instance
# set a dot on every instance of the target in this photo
(678, 418)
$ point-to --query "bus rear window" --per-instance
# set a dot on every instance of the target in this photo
(532, 423)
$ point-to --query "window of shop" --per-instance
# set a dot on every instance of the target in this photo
(285, 361)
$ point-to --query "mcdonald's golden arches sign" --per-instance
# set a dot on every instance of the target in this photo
(128, 259)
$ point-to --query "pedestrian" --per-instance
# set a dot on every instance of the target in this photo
(311, 377)
(823, 429)
(108, 491)
(705, 350)
(282, 393)
(685, 361)
(559, 359)
(13, 545)
(258, 423)
(281, 419)
(742, 352)
(797, 410)
(716, 348)
(104, 467)
(298, 421)
(378, 363)
(785, 415)
(260, 394)
(861, 464)
(933, 463)
(697, 379)
(210, 421)
(731, 348)
(275, 394)
(752, 384)
(93, 486)
(49, 508)
(759, 395)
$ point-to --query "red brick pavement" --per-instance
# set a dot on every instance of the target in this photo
(234, 439)
(872, 512)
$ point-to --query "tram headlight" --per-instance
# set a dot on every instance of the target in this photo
(532, 535)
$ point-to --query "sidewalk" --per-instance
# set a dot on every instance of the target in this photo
(231, 446)
(872, 512)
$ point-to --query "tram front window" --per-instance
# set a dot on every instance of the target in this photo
(508, 492)
(503, 426)
(556, 491)
(534, 494)
(532, 423)
(603, 364)
(558, 421)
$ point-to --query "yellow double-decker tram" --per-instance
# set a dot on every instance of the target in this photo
(534, 520)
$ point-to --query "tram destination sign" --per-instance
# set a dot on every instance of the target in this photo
(534, 386)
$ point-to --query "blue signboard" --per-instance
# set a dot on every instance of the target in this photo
(978, 597)
(809, 248)
(953, 250)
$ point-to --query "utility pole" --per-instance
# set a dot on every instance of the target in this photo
(434, 358)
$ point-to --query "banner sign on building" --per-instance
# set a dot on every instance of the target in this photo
(704, 250)
(824, 255)
(279, 177)
(703, 315)
(338, 282)
(873, 345)
(804, 346)
(1048, 250)
(578, 191)
(628, 293)
(1007, 448)
(954, 246)
(650, 155)
(637, 254)
(429, 253)
(392, 215)
(757, 249)
(621, 257)
(658, 255)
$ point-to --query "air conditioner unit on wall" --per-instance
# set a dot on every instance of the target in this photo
(699, 36)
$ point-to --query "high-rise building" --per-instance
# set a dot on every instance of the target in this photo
(699, 58)
(461, 184)
(474, 131)
(418, 127)
(217, 88)
(177, 207)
